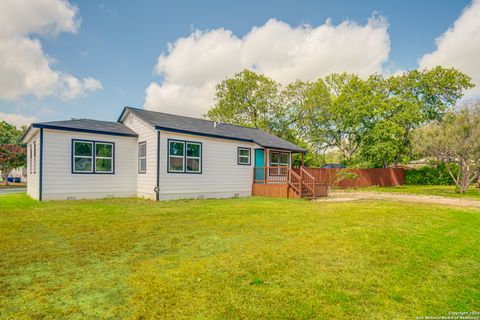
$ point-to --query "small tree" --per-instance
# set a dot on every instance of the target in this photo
(340, 175)
(11, 157)
(456, 139)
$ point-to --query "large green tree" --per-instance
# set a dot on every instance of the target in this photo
(455, 139)
(405, 102)
(334, 113)
(368, 121)
(248, 99)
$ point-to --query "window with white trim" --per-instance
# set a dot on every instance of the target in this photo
(184, 156)
(243, 156)
(92, 156)
(142, 157)
(83, 156)
(35, 156)
(194, 152)
(176, 153)
(30, 158)
(103, 157)
(279, 159)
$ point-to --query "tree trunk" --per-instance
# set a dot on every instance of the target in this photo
(463, 186)
(4, 177)
(478, 182)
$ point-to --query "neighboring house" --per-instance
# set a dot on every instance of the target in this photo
(149, 154)
(18, 173)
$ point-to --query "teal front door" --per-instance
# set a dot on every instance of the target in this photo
(259, 164)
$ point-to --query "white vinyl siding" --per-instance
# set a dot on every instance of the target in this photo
(221, 176)
(147, 181)
(60, 183)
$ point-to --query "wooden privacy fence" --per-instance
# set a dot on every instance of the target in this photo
(384, 177)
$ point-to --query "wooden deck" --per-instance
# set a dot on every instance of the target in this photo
(283, 182)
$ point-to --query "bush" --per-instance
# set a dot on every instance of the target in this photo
(433, 174)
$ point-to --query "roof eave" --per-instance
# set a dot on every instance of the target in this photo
(210, 135)
(297, 150)
(53, 127)
(27, 133)
(123, 114)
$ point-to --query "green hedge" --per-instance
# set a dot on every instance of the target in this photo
(434, 174)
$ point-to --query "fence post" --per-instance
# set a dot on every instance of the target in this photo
(301, 187)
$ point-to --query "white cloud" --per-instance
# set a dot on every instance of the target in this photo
(75, 87)
(17, 119)
(194, 64)
(459, 46)
(25, 69)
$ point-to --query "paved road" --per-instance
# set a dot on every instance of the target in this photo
(12, 190)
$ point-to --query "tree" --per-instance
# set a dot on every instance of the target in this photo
(335, 113)
(9, 134)
(248, 99)
(417, 97)
(11, 157)
(455, 139)
(368, 121)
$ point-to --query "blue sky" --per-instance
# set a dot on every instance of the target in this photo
(118, 44)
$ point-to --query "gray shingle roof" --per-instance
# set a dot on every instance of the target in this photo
(183, 124)
(88, 125)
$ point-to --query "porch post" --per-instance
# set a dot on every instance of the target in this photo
(265, 165)
(303, 163)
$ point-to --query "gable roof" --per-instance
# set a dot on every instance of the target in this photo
(188, 125)
(86, 125)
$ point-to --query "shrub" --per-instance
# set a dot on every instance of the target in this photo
(433, 174)
(340, 175)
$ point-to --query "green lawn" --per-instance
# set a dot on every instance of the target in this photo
(253, 258)
(446, 191)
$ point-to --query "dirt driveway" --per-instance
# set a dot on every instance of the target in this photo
(340, 196)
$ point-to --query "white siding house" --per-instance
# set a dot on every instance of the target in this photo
(147, 154)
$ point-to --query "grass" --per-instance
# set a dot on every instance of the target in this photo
(446, 191)
(238, 258)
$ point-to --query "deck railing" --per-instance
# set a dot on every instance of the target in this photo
(308, 180)
(295, 181)
(278, 174)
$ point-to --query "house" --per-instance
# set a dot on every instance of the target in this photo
(152, 155)
(17, 175)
